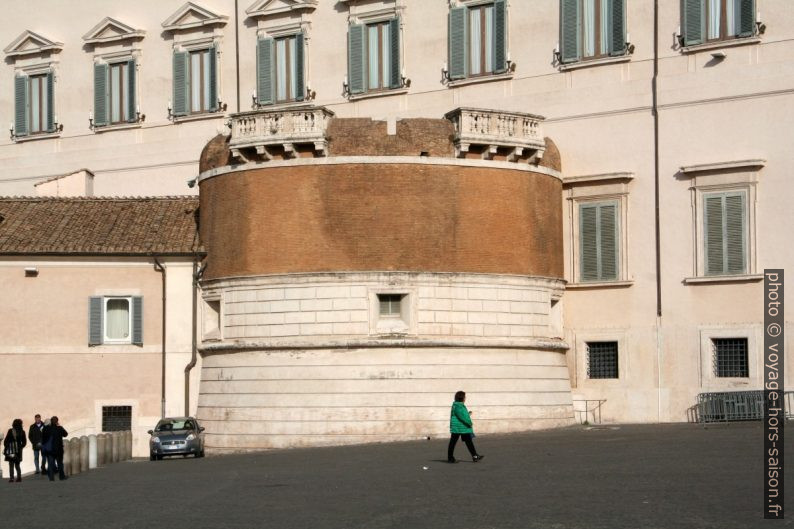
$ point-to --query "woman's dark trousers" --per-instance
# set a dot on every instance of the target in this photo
(52, 461)
(453, 440)
(11, 466)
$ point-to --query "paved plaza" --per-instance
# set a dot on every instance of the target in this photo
(629, 476)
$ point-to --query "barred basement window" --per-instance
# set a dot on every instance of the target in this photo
(602, 359)
(730, 357)
(116, 418)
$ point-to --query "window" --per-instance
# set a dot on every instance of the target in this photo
(374, 56)
(392, 312)
(280, 69)
(724, 231)
(704, 21)
(33, 104)
(591, 29)
(195, 81)
(730, 357)
(116, 418)
(602, 359)
(478, 40)
(598, 241)
(115, 320)
(114, 93)
(389, 305)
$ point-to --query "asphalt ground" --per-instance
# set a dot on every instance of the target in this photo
(630, 476)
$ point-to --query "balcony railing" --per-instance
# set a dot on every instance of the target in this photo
(520, 135)
(279, 131)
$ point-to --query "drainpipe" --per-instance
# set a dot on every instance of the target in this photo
(655, 91)
(197, 273)
(237, 51)
(159, 267)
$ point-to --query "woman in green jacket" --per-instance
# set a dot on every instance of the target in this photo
(460, 426)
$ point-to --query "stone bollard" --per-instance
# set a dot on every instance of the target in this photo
(108, 449)
(129, 443)
(93, 452)
(123, 445)
(67, 458)
(83, 454)
(74, 456)
(114, 439)
(100, 450)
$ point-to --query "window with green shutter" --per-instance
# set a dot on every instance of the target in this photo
(705, 21)
(115, 320)
(34, 102)
(598, 241)
(195, 81)
(591, 29)
(725, 240)
(280, 69)
(478, 40)
(114, 93)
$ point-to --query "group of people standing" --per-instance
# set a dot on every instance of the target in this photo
(47, 442)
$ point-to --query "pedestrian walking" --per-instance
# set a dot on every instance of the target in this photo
(460, 426)
(13, 444)
(34, 436)
(52, 442)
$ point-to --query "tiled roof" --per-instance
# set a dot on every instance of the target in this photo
(99, 226)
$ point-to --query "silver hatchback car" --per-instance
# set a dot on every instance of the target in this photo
(176, 436)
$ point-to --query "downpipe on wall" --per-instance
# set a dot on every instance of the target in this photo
(158, 266)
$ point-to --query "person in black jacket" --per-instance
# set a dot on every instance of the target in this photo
(13, 444)
(52, 441)
(34, 436)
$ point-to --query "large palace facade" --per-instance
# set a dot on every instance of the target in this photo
(562, 207)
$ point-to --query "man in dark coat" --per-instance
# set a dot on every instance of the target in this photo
(34, 436)
(52, 441)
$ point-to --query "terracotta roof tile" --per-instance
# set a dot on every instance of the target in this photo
(91, 226)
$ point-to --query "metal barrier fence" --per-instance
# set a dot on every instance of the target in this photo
(727, 406)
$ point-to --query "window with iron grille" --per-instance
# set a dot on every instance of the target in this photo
(602, 359)
(390, 305)
(116, 418)
(730, 357)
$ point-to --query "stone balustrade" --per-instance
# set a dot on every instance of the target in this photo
(272, 133)
(517, 135)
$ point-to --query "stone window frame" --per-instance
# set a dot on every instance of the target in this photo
(741, 176)
(405, 324)
(579, 190)
(212, 333)
(601, 335)
(132, 403)
(708, 380)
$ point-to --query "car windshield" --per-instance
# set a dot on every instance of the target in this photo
(167, 425)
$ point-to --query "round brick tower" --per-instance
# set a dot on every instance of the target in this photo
(360, 272)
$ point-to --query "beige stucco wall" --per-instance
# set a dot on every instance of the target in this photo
(47, 365)
(600, 117)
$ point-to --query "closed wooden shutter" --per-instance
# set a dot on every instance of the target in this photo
(734, 234)
(132, 107)
(213, 79)
(395, 70)
(458, 63)
(744, 13)
(300, 83)
(588, 241)
(95, 312)
(570, 29)
(264, 71)
(137, 320)
(693, 23)
(617, 27)
(500, 36)
(100, 95)
(355, 58)
(21, 106)
(181, 82)
(50, 102)
(608, 242)
(714, 239)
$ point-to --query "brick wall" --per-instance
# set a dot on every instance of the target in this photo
(390, 216)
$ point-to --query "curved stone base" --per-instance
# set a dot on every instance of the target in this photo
(255, 400)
